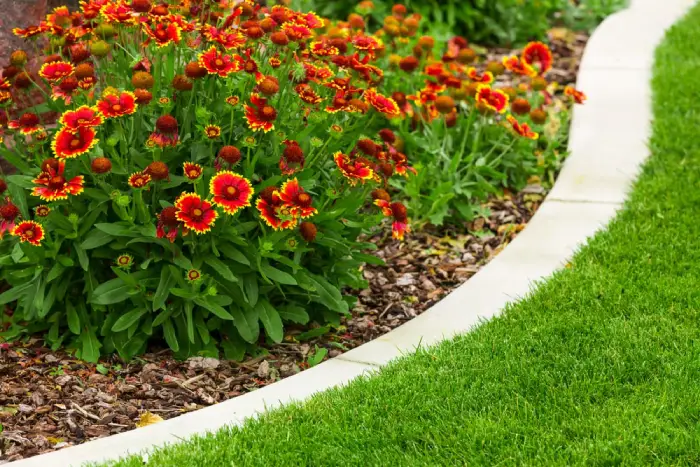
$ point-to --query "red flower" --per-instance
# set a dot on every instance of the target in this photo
(30, 31)
(523, 129)
(397, 211)
(165, 133)
(192, 171)
(30, 232)
(168, 224)
(196, 214)
(112, 106)
(518, 67)
(52, 185)
(8, 213)
(217, 63)
(485, 78)
(69, 143)
(353, 171)
(292, 159)
(383, 104)
(296, 199)
(578, 96)
(54, 71)
(250, 66)
(539, 53)
(307, 94)
(27, 124)
(139, 180)
(118, 12)
(226, 38)
(260, 115)
(82, 117)
(273, 211)
(492, 98)
(366, 43)
(163, 34)
(231, 191)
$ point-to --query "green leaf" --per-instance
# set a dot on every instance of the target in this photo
(169, 334)
(369, 259)
(234, 349)
(271, 320)
(167, 281)
(294, 313)
(19, 198)
(55, 271)
(250, 287)
(217, 309)
(278, 275)
(91, 346)
(313, 333)
(126, 320)
(73, 319)
(111, 292)
(246, 322)
(231, 252)
(17, 253)
(190, 321)
(118, 229)
(82, 257)
(95, 239)
(218, 266)
(17, 292)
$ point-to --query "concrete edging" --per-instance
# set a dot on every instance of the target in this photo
(608, 143)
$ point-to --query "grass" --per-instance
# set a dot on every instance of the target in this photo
(600, 366)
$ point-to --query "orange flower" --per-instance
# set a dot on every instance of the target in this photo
(82, 117)
(192, 171)
(296, 199)
(260, 115)
(113, 106)
(165, 133)
(538, 53)
(518, 67)
(323, 49)
(217, 63)
(29, 232)
(118, 12)
(485, 78)
(69, 143)
(353, 171)
(383, 104)
(366, 43)
(578, 96)
(30, 31)
(273, 212)
(307, 94)
(492, 98)
(53, 186)
(275, 62)
(292, 159)
(139, 180)
(196, 214)
(163, 34)
(397, 211)
(523, 129)
(212, 131)
(54, 71)
(232, 101)
(296, 32)
(231, 191)
(27, 124)
(226, 38)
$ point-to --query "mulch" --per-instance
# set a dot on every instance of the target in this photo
(50, 400)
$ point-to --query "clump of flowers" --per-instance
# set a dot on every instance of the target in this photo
(214, 186)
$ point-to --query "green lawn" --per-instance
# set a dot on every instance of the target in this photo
(601, 366)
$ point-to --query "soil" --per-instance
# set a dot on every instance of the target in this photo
(50, 400)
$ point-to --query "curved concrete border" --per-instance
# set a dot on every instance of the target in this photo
(607, 143)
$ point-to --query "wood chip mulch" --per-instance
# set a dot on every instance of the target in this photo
(50, 400)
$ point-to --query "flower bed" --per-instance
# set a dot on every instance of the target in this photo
(215, 192)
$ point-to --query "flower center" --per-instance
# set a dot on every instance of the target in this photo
(231, 191)
(304, 199)
(57, 182)
(161, 34)
(82, 120)
(269, 112)
(218, 62)
(250, 66)
(29, 233)
(74, 143)
(194, 173)
(116, 107)
(197, 212)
